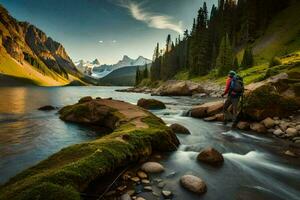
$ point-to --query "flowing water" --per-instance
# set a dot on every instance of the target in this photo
(254, 168)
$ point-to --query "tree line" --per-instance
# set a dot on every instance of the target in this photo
(214, 39)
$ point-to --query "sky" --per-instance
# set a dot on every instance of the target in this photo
(108, 29)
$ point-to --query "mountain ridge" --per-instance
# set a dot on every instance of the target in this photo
(23, 45)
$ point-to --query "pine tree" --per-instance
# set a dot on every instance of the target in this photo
(248, 60)
(137, 76)
(225, 57)
(145, 73)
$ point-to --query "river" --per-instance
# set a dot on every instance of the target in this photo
(255, 166)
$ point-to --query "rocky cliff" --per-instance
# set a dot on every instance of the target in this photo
(27, 44)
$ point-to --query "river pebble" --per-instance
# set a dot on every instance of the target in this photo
(152, 167)
(193, 184)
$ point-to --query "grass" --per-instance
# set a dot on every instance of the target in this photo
(65, 174)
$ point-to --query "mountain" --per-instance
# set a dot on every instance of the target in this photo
(28, 53)
(86, 67)
(124, 76)
(126, 61)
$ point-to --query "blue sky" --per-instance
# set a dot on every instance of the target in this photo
(107, 29)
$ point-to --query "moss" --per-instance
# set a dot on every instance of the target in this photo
(266, 102)
(68, 172)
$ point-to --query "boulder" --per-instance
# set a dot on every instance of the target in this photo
(243, 125)
(178, 88)
(210, 156)
(258, 127)
(284, 125)
(85, 99)
(207, 109)
(177, 128)
(298, 128)
(193, 184)
(47, 108)
(291, 132)
(151, 104)
(269, 122)
(269, 99)
(152, 167)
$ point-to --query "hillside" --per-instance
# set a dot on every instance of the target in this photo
(27, 53)
(124, 76)
(245, 36)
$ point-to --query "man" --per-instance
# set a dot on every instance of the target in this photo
(234, 89)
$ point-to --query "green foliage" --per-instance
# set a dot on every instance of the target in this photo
(275, 61)
(225, 57)
(248, 60)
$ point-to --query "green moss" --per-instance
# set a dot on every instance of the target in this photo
(266, 101)
(68, 172)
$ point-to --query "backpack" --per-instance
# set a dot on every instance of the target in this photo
(237, 84)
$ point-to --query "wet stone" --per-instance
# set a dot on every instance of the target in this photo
(161, 185)
(166, 193)
(145, 181)
(148, 188)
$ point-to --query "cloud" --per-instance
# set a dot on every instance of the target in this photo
(153, 20)
(101, 41)
(114, 41)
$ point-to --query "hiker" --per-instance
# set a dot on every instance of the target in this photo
(234, 89)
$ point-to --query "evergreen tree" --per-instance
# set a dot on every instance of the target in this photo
(248, 60)
(138, 76)
(145, 73)
(225, 57)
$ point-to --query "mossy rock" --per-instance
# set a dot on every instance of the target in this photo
(136, 134)
(265, 101)
(151, 104)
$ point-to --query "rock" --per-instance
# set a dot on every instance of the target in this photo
(283, 125)
(218, 117)
(151, 104)
(297, 141)
(140, 198)
(142, 175)
(178, 88)
(210, 156)
(135, 179)
(130, 192)
(193, 184)
(269, 122)
(207, 109)
(269, 98)
(47, 108)
(85, 99)
(148, 188)
(243, 125)
(166, 193)
(258, 127)
(298, 128)
(121, 188)
(177, 128)
(291, 132)
(125, 197)
(161, 185)
(145, 181)
(290, 153)
(296, 138)
(152, 167)
(278, 132)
